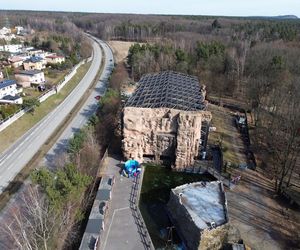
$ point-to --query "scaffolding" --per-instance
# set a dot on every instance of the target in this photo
(169, 90)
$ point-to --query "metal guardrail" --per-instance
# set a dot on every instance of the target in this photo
(139, 221)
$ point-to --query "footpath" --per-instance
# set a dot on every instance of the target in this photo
(120, 230)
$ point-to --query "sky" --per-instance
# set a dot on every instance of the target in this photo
(186, 7)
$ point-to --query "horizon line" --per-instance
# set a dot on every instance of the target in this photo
(155, 14)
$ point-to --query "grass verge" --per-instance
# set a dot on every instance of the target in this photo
(14, 185)
(27, 121)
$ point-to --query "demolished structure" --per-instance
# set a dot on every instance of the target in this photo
(163, 119)
(199, 212)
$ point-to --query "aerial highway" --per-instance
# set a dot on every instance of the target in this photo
(21, 152)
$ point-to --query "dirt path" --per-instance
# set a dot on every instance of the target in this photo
(263, 223)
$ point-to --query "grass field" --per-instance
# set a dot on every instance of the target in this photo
(18, 128)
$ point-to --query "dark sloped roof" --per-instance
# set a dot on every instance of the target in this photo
(168, 89)
(11, 98)
(6, 83)
(29, 72)
(34, 59)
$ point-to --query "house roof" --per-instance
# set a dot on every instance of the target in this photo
(6, 83)
(34, 59)
(170, 90)
(11, 98)
(15, 59)
(29, 72)
(54, 56)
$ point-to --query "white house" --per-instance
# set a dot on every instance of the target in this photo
(5, 31)
(9, 92)
(27, 78)
(37, 52)
(12, 48)
(19, 30)
(1, 75)
(54, 59)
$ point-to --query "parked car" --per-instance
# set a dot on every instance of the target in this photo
(98, 97)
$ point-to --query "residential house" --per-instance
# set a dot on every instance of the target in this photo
(30, 78)
(12, 48)
(34, 63)
(9, 92)
(54, 59)
(19, 30)
(5, 31)
(16, 61)
(1, 75)
(37, 53)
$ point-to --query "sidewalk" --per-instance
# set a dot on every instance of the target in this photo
(120, 230)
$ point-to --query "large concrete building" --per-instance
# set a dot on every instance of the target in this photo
(163, 119)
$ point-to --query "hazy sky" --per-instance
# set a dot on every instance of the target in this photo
(195, 7)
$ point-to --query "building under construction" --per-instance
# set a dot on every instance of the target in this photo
(163, 119)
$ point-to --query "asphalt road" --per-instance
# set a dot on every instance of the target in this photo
(87, 110)
(20, 153)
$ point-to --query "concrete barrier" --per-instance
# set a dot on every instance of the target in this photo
(5, 123)
(46, 95)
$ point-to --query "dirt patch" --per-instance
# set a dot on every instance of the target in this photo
(120, 49)
(226, 135)
(262, 222)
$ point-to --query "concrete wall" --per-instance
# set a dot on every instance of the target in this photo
(162, 132)
(191, 233)
(4, 124)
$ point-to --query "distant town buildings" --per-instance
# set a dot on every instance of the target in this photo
(12, 48)
(26, 62)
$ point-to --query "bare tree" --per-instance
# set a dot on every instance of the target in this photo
(282, 126)
(31, 225)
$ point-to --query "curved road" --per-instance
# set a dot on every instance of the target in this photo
(21, 152)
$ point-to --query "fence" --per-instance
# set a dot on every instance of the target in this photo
(139, 221)
(8, 121)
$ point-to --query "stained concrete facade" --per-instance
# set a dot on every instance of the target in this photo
(163, 119)
(163, 133)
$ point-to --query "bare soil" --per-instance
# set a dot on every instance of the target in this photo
(263, 221)
(120, 49)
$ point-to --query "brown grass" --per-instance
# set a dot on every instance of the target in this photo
(27, 121)
(226, 134)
